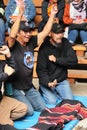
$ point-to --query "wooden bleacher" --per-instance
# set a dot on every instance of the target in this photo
(74, 73)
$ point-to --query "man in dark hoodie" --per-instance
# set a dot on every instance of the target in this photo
(55, 55)
(10, 109)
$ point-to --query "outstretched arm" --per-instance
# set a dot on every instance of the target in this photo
(48, 26)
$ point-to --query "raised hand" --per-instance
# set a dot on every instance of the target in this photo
(21, 9)
(54, 9)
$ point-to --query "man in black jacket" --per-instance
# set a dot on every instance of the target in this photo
(55, 55)
(10, 109)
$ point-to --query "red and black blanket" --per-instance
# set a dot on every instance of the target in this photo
(55, 118)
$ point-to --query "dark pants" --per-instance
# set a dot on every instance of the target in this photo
(7, 127)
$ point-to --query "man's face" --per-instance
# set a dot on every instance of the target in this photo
(24, 36)
(56, 38)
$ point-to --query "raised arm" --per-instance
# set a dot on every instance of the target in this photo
(47, 28)
(15, 27)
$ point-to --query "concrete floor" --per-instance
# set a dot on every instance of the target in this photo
(78, 88)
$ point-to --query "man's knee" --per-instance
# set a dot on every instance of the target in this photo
(51, 101)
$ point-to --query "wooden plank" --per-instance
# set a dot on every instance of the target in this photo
(34, 71)
(79, 47)
(37, 19)
(82, 60)
(71, 80)
(38, 11)
(37, 2)
(35, 56)
(5, 2)
(81, 74)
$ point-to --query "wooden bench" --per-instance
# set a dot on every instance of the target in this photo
(77, 74)
(80, 49)
(38, 17)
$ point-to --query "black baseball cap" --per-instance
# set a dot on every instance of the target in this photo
(24, 25)
(57, 28)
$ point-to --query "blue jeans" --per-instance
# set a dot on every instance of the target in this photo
(83, 35)
(61, 91)
(2, 31)
(73, 34)
(31, 98)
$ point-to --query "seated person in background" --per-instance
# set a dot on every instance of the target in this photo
(12, 10)
(2, 23)
(54, 57)
(22, 45)
(46, 10)
(10, 109)
(76, 13)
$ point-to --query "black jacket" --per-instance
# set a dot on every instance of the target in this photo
(48, 71)
(4, 76)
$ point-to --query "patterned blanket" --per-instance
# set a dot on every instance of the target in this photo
(55, 118)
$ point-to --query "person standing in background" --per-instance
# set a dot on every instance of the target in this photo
(12, 10)
(46, 10)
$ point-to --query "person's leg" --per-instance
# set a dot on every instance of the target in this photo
(64, 90)
(50, 96)
(19, 109)
(83, 35)
(19, 95)
(73, 34)
(5, 112)
(11, 109)
(2, 31)
(7, 127)
(35, 99)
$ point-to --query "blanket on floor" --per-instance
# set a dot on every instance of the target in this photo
(55, 118)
